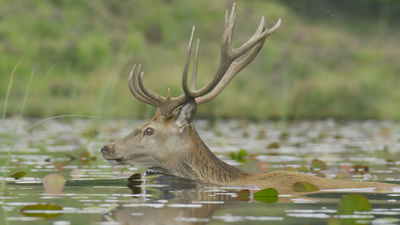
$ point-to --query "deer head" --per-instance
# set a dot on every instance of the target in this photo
(169, 143)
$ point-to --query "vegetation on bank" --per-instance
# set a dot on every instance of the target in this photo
(321, 63)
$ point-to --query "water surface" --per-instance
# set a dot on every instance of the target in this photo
(98, 193)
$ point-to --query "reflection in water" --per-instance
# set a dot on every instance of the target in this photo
(160, 199)
(175, 200)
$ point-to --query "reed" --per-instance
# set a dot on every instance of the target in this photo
(10, 83)
(14, 135)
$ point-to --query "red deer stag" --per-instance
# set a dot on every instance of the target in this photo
(169, 142)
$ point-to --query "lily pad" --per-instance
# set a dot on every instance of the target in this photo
(244, 192)
(41, 210)
(269, 192)
(303, 169)
(318, 164)
(273, 145)
(244, 195)
(353, 202)
(18, 175)
(239, 156)
(269, 195)
(54, 184)
(284, 136)
(304, 187)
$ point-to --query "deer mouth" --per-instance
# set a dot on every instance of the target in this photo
(114, 161)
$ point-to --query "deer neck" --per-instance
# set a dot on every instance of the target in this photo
(200, 164)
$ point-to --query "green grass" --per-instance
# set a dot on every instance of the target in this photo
(84, 51)
(14, 135)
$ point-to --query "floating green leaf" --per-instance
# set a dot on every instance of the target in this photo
(303, 169)
(269, 195)
(242, 153)
(269, 192)
(318, 164)
(353, 202)
(304, 187)
(18, 175)
(42, 210)
(273, 145)
(239, 156)
(284, 135)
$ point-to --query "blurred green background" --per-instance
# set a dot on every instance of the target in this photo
(329, 59)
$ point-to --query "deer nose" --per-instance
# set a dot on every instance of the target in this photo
(104, 150)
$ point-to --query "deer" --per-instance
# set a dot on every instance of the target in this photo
(169, 143)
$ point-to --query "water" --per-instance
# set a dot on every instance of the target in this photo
(97, 193)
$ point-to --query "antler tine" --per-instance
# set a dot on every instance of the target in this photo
(224, 62)
(258, 39)
(260, 34)
(230, 24)
(186, 67)
(234, 67)
(158, 99)
(166, 104)
(229, 54)
(135, 89)
(230, 74)
(195, 66)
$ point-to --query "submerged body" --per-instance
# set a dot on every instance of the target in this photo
(194, 161)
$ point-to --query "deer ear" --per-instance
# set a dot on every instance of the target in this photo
(186, 114)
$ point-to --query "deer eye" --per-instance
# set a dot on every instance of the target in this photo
(149, 131)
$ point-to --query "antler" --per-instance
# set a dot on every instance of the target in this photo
(166, 104)
(226, 71)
